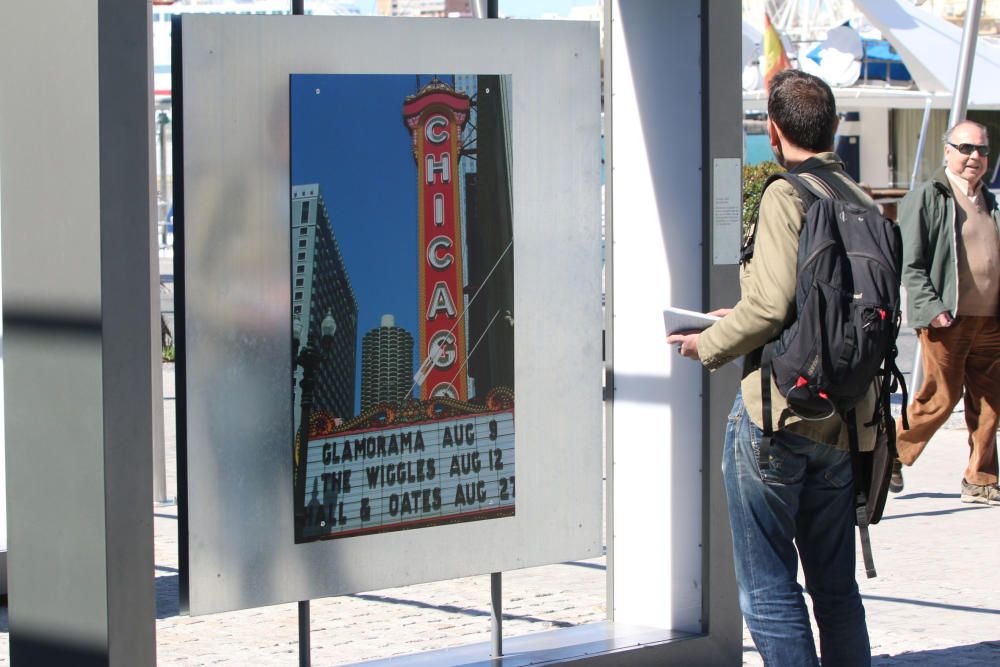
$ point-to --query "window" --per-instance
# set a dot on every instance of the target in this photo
(300, 268)
(300, 282)
(303, 230)
(305, 212)
(298, 296)
(303, 243)
(301, 256)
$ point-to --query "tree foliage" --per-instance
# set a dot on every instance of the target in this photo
(754, 177)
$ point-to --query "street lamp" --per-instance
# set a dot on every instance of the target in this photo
(309, 358)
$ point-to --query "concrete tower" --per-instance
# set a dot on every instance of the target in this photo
(386, 364)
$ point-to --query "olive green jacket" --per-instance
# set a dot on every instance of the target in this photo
(767, 302)
(930, 264)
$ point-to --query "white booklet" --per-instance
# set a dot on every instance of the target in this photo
(679, 319)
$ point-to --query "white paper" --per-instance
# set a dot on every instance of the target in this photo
(679, 319)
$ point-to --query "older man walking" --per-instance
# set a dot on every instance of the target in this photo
(951, 271)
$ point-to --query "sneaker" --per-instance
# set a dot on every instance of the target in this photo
(896, 478)
(987, 494)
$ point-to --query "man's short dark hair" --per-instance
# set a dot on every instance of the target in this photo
(803, 107)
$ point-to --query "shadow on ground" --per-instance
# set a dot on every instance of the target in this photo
(971, 655)
(168, 596)
(984, 654)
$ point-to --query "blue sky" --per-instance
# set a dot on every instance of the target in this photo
(347, 134)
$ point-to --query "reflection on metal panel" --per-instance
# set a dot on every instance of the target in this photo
(238, 298)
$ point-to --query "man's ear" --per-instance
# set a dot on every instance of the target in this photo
(773, 133)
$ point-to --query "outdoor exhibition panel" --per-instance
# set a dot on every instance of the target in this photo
(358, 293)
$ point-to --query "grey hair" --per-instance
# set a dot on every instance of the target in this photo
(946, 138)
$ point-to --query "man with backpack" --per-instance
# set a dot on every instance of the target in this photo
(951, 269)
(791, 495)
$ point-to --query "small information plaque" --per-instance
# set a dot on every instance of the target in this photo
(727, 208)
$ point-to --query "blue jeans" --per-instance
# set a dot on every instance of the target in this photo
(804, 500)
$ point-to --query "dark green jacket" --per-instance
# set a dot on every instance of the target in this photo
(930, 259)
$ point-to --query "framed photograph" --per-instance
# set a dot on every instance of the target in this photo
(374, 239)
(402, 275)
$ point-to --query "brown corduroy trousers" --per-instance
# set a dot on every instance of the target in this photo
(966, 354)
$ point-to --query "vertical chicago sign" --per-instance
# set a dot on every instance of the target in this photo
(435, 117)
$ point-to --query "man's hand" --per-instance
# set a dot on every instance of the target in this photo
(687, 344)
(943, 319)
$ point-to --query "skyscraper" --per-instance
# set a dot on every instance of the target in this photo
(321, 287)
(386, 364)
(489, 249)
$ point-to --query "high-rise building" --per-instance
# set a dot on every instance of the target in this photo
(487, 212)
(321, 287)
(386, 364)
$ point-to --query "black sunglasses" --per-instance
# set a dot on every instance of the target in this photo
(966, 149)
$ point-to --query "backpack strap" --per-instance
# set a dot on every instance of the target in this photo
(860, 494)
(764, 451)
(806, 193)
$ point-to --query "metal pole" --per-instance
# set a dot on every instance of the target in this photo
(298, 8)
(162, 204)
(304, 660)
(496, 610)
(917, 372)
(491, 9)
(159, 446)
(963, 75)
(309, 360)
(921, 142)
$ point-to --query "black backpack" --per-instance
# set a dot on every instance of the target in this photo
(843, 338)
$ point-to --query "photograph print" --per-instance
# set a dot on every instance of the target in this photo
(402, 302)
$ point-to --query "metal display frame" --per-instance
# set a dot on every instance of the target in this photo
(233, 321)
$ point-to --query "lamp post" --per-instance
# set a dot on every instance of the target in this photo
(309, 358)
(162, 120)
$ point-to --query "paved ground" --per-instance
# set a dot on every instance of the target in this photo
(935, 601)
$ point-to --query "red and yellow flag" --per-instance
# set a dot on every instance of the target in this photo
(775, 58)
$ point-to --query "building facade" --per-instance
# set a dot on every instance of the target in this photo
(321, 287)
(386, 364)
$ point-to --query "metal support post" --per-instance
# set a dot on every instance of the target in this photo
(298, 8)
(304, 659)
(163, 205)
(490, 9)
(963, 75)
(921, 142)
(77, 315)
(496, 610)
